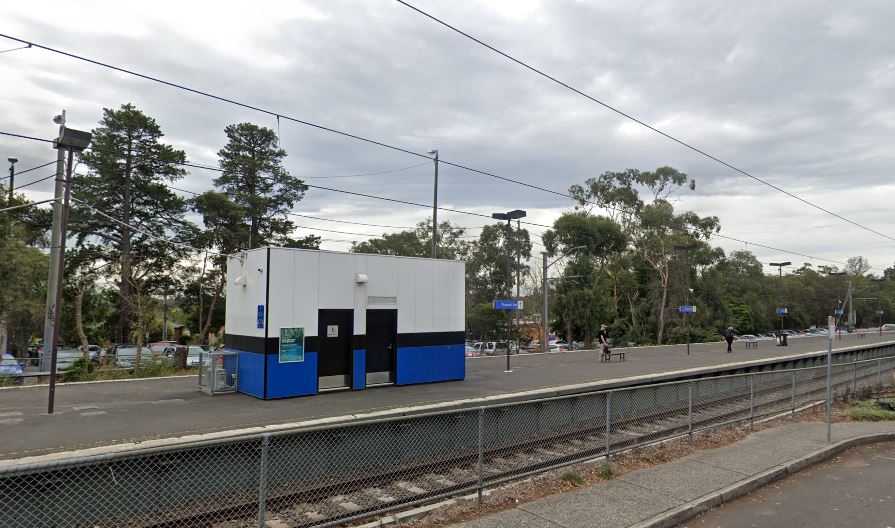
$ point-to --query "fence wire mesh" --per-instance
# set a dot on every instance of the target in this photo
(330, 475)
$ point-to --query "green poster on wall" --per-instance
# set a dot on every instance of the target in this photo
(292, 345)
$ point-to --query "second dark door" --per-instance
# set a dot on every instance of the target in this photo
(382, 341)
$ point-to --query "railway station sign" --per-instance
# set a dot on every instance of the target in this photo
(292, 345)
(686, 309)
(508, 305)
(782, 310)
(838, 311)
(832, 322)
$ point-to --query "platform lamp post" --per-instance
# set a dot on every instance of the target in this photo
(72, 141)
(546, 287)
(838, 311)
(687, 309)
(780, 309)
(12, 185)
(434, 152)
(509, 216)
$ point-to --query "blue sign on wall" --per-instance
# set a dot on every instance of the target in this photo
(838, 311)
(686, 309)
(508, 305)
(782, 311)
(260, 316)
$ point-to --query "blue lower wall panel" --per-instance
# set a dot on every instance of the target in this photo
(430, 363)
(359, 374)
(291, 379)
(251, 374)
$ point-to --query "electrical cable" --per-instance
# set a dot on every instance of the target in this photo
(29, 204)
(29, 170)
(35, 181)
(216, 169)
(15, 49)
(638, 121)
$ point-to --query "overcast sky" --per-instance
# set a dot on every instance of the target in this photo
(798, 93)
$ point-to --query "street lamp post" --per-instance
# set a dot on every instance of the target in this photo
(545, 286)
(509, 216)
(838, 302)
(434, 152)
(686, 248)
(12, 182)
(780, 309)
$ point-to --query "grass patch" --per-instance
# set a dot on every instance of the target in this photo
(606, 472)
(572, 477)
(869, 411)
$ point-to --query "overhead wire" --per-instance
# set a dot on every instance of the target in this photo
(639, 121)
(19, 173)
(416, 204)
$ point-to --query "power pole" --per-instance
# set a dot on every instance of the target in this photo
(55, 241)
(435, 207)
(544, 310)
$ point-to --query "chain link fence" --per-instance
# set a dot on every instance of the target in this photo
(329, 475)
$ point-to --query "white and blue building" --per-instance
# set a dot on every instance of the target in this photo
(305, 321)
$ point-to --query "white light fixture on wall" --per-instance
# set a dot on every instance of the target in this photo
(240, 281)
(360, 278)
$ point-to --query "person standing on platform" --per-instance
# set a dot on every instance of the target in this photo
(729, 336)
(603, 341)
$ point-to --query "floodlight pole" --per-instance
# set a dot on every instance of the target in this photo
(57, 313)
(49, 315)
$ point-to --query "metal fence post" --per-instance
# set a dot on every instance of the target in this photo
(690, 411)
(481, 427)
(793, 404)
(879, 373)
(752, 402)
(262, 480)
(854, 385)
(608, 423)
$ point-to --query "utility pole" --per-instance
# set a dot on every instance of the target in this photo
(434, 152)
(546, 292)
(780, 309)
(49, 316)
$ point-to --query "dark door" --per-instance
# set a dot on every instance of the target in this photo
(382, 341)
(335, 331)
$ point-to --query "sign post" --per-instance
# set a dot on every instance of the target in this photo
(508, 305)
(684, 310)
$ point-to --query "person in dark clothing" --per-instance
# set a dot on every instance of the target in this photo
(603, 341)
(729, 336)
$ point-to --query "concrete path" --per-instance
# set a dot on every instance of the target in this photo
(852, 489)
(672, 493)
(99, 414)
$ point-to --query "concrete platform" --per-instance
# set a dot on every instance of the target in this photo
(103, 413)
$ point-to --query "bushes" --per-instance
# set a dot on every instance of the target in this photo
(80, 370)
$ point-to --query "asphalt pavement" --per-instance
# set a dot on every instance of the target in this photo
(96, 414)
(856, 488)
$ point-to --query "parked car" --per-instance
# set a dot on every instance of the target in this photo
(163, 348)
(126, 355)
(9, 366)
(193, 353)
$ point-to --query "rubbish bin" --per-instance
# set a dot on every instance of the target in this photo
(781, 339)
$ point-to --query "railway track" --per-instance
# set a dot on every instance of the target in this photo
(352, 496)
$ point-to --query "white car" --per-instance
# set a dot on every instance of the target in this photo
(192, 354)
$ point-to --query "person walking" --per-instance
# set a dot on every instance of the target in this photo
(729, 336)
(603, 341)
